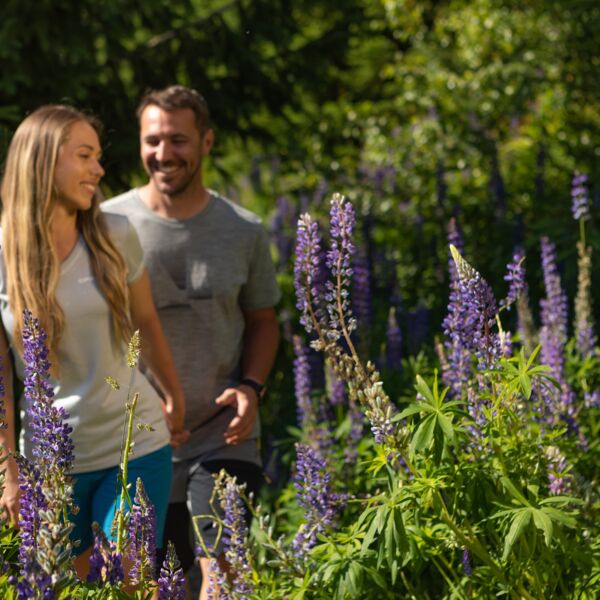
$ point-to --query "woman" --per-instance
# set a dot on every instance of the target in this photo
(81, 273)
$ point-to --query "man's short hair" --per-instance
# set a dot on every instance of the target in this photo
(175, 97)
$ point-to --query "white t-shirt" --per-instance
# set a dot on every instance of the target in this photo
(87, 356)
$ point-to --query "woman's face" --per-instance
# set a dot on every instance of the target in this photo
(78, 170)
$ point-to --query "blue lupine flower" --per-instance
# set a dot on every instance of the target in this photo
(171, 583)
(580, 198)
(313, 484)
(106, 565)
(302, 383)
(515, 275)
(235, 536)
(142, 536)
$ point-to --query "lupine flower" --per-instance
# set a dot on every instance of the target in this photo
(305, 269)
(357, 426)
(466, 562)
(560, 480)
(44, 481)
(217, 582)
(480, 310)
(580, 199)
(106, 565)
(142, 536)
(592, 399)
(302, 383)
(338, 391)
(339, 259)
(456, 368)
(313, 484)
(393, 349)
(515, 275)
(235, 536)
(553, 332)
(361, 291)
(584, 324)
(171, 583)
(283, 219)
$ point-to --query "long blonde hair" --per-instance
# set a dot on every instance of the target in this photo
(28, 198)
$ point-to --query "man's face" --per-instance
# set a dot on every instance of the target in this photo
(172, 148)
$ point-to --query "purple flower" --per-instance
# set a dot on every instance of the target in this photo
(559, 478)
(479, 310)
(515, 275)
(106, 565)
(281, 224)
(339, 259)
(466, 562)
(361, 291)
(45, 552)
(171, 583)
(553, 332)
(302, 383)
(142, 536)
(393, 349)
(337, 396)
(235, 536)
(313, 484)
(306, 270)
(584, 322)
(580, 199)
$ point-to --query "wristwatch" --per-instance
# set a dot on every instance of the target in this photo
(258, 388)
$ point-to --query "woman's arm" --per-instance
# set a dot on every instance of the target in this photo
(156, 355)
(10, 498)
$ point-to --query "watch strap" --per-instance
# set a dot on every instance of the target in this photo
(258, 388)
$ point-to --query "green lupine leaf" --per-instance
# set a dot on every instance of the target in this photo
(560, 517)
(424, 390)
(424, 435)
(519, 524)
(446, 426)
(544, 522)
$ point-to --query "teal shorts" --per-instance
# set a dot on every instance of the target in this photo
(97, 495)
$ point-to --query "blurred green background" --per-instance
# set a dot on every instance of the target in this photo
(417, 110)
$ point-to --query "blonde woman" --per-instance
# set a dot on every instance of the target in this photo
(81, 273)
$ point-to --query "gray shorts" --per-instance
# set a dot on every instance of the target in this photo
(191, 493)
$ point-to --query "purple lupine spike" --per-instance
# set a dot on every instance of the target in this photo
(306, 269)
(44, 480)
(33, 582)
(281, 223)
(515, 275)
(478, 310)
(456, 368)
(337, 395)
(466, 562)
(171, 583)
(313, 484)
(302, 384)
(106, 565)
(142, 536)
(584, 321)
(235, 536)
(339, 259)
(553, 313)
(559, 478)
(393, 348)
(580, 198)
(357, 426)
(361, 291)
(52, 447)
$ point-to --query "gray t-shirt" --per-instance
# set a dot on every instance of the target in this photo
(87, 355)
(205, 272)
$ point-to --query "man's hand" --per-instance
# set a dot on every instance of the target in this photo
(244, 400)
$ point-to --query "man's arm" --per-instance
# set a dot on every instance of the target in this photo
(261, 339)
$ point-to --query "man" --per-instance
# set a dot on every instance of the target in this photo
(214, 286)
